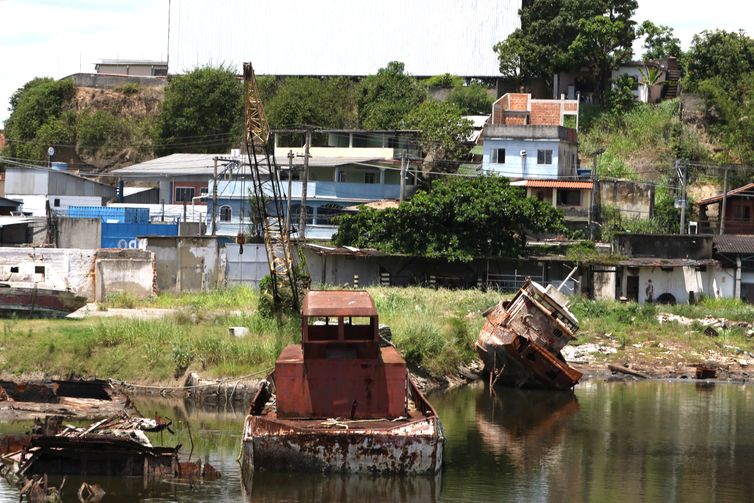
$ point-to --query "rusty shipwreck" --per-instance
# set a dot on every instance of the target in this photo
(27, 299)
(521, 340)
(341, 401)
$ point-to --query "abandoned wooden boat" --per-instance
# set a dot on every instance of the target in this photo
(521, 340)
(29, 300)
(70, 398)
(340, 401)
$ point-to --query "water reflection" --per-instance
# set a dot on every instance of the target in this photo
(272, 487)
(643, 441)
(527, 426)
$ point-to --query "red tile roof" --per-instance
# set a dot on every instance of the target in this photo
(555, 184)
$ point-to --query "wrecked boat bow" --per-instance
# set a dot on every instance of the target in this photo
(521, 340)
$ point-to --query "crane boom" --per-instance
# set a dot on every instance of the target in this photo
(287, 266)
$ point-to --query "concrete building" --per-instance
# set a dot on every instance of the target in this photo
(133, 67)
(572, 197)
(530, 152)
(334, 185)
(41, 188)
(527, 138)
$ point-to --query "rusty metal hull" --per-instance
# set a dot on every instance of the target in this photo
(412, 444)
(42, 302)
(410, 447)
(513, 360)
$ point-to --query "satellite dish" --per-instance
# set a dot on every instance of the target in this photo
(50, 152)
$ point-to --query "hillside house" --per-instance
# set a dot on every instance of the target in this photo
(739, 212)
(527, 138)
(570, 196)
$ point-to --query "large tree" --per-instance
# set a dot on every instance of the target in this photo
(328, 103)
(202, 112)
(456, 218)
(726, 55)
(660, 41)
(558, 35)
(38, 118)
(384, 99)
(443, 131)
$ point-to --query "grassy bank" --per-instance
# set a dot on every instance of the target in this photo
(435, 329)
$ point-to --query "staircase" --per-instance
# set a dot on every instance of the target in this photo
(671, 88)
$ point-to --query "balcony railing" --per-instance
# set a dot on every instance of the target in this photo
(732, 226)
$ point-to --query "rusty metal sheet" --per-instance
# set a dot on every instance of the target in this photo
(338, 303)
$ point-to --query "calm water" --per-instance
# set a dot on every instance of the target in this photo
(643, 441)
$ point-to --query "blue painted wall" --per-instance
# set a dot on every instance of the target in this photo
(517, 166)
(122, 235)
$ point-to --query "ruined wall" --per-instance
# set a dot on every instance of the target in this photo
(79, 232)
(632, 199)
(124, 271)
(186, 264)
(605, 280)
(55, 268)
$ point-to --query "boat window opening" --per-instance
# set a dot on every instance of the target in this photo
(39, 269)
(14, 268)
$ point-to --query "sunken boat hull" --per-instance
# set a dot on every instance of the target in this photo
(409, 445)
(343, 401)
(38, 302)
(521, 340)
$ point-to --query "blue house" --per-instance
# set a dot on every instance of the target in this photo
(334, 185)
(530, 152)
(527, 138)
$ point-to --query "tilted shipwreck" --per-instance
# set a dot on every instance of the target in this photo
(521, 340)
(340, 401)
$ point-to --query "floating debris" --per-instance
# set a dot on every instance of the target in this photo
(93, 398)
(341, 402)
(521, 342)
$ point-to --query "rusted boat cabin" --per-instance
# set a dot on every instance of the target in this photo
(339, 369)
(342, 403)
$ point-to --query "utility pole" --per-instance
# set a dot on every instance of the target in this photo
(214, 200)
(684, 178)
(304, 182)
(725, 200)
(404, 166)
(290, 185)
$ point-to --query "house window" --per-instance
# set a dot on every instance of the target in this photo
(569, 197)
(498, 156)
(544, 156)
(225, 213)
(184, 194)
(369, 178)
(204, 191)
(56, 203)
(742, 213)
(14, 269)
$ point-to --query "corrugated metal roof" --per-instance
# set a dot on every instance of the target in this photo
(740, 191)
(203, 164)
(342, 37)
(554, 184)
(734, 245)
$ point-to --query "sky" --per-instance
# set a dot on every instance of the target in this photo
(58, 38)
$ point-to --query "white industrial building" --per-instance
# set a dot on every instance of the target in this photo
(342, 37)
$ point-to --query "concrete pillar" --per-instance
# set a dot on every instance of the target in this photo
(737, 286)
(382, 176)
(554, 197)
(350, 140)
(337, 172)
(166, 193)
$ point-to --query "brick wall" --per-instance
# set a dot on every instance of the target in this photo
(545, 114)
(519, 102)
